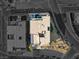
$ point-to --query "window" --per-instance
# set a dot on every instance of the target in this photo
(14, 48)
(12, 18)
(20, 38)
(37, 16)
(10, 36)
(23, 18)
(48, 28)
(41, 35)
(10, 1)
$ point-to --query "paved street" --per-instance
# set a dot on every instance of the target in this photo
(68, 35)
